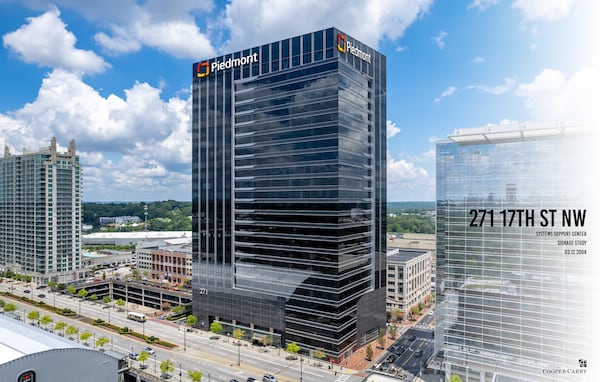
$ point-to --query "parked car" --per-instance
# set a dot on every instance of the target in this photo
(250, 379)
(26, 291)
(41, 295)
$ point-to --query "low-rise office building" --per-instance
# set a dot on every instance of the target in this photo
(408, 278)
(165, 261)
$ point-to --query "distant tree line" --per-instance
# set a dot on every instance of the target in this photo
(169, 215)
(410, 224)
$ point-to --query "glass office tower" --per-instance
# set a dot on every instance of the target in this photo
(289, 191)
(515, 281)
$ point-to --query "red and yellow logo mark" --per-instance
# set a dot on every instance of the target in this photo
(341, 43)
(203, 69)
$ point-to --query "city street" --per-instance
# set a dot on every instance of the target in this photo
(197, 350)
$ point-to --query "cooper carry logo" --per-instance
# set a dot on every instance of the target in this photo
(203, 69)
(343, 46)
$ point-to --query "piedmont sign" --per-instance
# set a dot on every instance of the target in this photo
(203, 69)
(343, 46)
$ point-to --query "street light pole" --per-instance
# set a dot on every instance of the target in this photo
(184, 343)
(154, 363)
(301, 368)
(238, 346)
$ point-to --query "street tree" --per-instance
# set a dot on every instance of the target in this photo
(195, 375)
(216, 327)
(455, 378)
(52, 285)
(2, 303)
(319, 353)
(167, 366)
(71, 290)
(60, 326)
(101, 341)
(179, 309)
(292, 347)
(381, 338)
(34, 315)
(10, 307)
(94, 298)
(143, 357)
(393, 331)
(120, 303)
(191, 320)
(369, 352)
(84, 336)
(106, 299)
(46, 320)
(71, 330)
(82, 293)
(238, 334)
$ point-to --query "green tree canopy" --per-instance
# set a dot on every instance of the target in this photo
(238, 333)
(101, 341)
(82, 293)
(191, 320)
(10, 307)
(195, 375)
(71, 289)
(167, 366)
(369, 352)
(216, 327)
(71, 330)
(292, 347)
(60, 325)
(34, 315)
(106, 299)
(84, 336)
(46, 320)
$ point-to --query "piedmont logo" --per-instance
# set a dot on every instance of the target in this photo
(343, 45)
(203, 69)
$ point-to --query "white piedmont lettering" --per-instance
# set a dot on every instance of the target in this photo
(233, 62)
(355, 51)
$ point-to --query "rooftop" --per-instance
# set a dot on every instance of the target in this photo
(514, 132)
(18, 339)
(149, 235)
(405, 255)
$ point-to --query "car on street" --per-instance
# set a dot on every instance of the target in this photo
(41, 295)
(391, 358)
(411, 337)
(26, 291)
(149, 350)
(41, 287)
(419, 353)
(233, 380)
(250, 379)
(134, 356)
(269, 378)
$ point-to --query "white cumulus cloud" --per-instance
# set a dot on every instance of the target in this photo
(136, 141)
(482, 5)
(553, 96)
(406, 181)
(392, 129)
(509, 84)
(546, 10)
(45, 41)
(368, 21)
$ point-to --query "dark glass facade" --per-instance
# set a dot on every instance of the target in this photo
(515, 290)
(289, 190)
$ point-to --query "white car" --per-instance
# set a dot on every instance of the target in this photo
(149, 350)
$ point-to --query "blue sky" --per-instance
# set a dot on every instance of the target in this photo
(115, 76)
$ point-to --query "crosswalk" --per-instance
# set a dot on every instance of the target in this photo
(342, 378)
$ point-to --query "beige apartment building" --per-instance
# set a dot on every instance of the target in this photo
(408, 278)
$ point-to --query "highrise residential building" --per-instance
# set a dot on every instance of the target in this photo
(289, 191)
(516, 269)
(40, 213)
